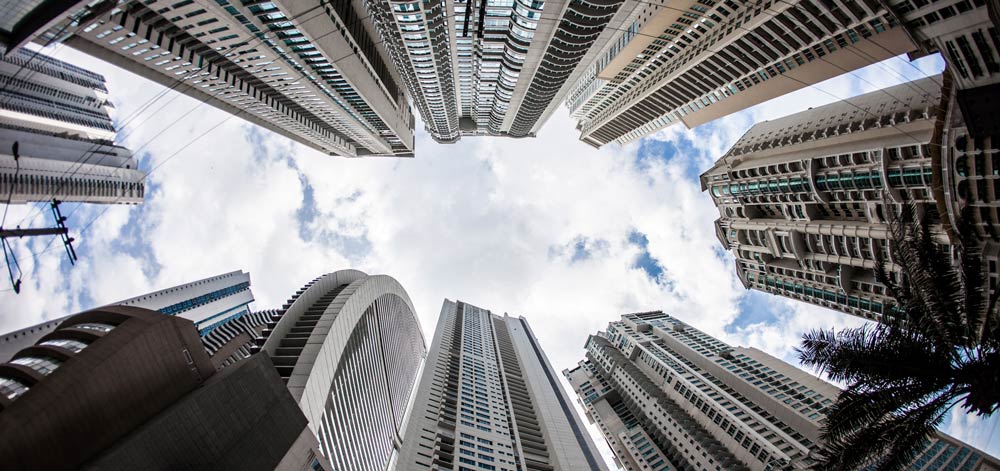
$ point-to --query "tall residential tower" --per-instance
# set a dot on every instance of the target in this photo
(667, 396)
(805, 200)
(55, 117)
(695, 61)
(312, 72)
(491, 68)
(489, 399)
(208, 303)
(343, 353)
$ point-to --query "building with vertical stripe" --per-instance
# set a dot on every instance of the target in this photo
(349, 348)
(489, 400)
(492, 68)
(57, 138)
(667, 396)
(696, 61)
(313, 73)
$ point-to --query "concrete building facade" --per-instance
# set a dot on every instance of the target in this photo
(313, 73)
(805, 200)
(667, 396)
(489, 400)
(209, 303)
(494, 68)
(111, 387)
(696, 61)
(963, 31)
(349, 348)
(55, 117)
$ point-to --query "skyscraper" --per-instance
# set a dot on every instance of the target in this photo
(346, 349)
(313, 73)
(496, 68)
(693, 62)
(805, 200)
(349, 349)
(111, 389)
(962, 30)
(668, 396)
(208, 303)
(489, 399)
(57, 137)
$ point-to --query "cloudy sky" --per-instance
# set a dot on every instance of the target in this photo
(549, 228)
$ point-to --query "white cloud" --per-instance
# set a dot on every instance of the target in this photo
(489, 221)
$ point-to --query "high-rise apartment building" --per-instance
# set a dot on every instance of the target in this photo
(489, 400)
(349, 348)
(961, 30)
(312, 72)
(695, 61)
(208, 303)
(667, 396)
(805, 200)
(346, 350)
(57, 137)
(494, 68)
(122, 387)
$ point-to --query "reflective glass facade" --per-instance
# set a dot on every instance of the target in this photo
(488, 400)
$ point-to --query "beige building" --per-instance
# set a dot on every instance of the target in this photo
(805, 200)
(314, 75)
(57, 138)
(695, 61)
(667, 396)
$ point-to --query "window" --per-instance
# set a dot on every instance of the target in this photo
(12, 388)
(94, 326)
(43, 365)
(68, 344)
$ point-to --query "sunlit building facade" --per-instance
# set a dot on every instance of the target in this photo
(805, 200)
(57, 138)
(313, 73)
(962, 31)
(349, 348)
(695, 61)
(489, 400)
(667, 396)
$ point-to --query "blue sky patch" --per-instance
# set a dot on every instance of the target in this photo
(306, 213)
(652, 149)
(580, 249)
(755, 308)
(644, 260)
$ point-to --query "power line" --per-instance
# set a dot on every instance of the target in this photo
(203, 134)
(80, 162)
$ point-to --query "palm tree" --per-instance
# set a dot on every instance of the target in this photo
(937, 350)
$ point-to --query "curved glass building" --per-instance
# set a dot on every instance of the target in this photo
(350, 348)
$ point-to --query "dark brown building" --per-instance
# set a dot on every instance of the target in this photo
(128, 388)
